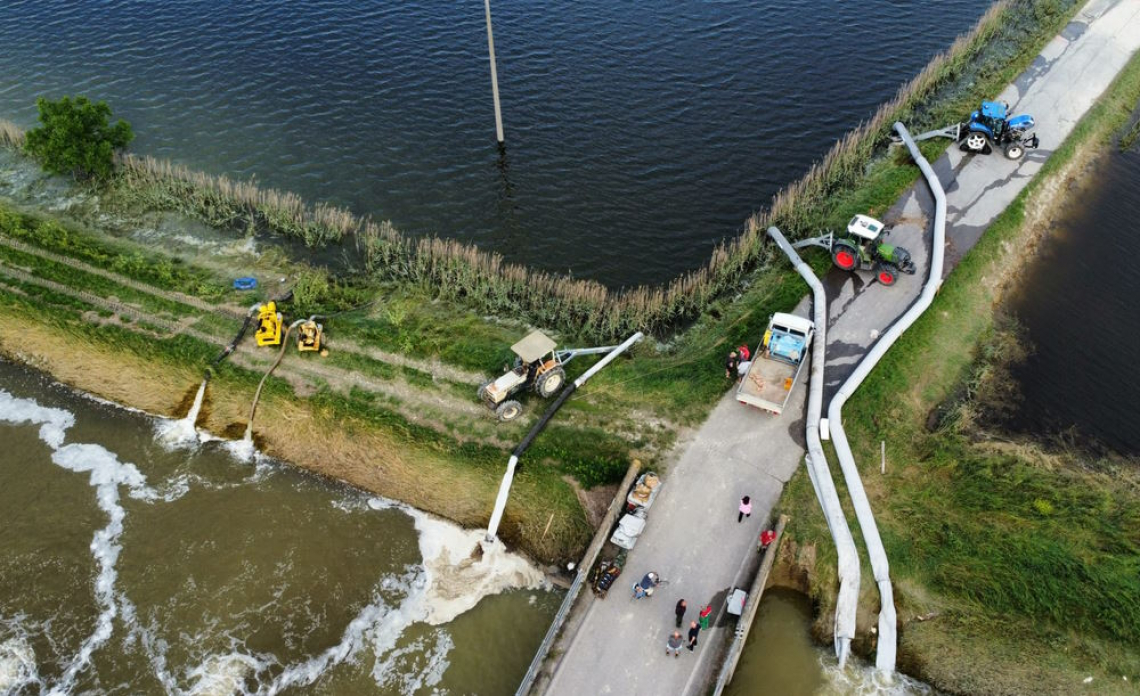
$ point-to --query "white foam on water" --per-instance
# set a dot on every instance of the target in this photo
(457, 581)
(53, 422)
(17, 665)
(223, 675)
(181, 432)
(243, 449)
(107, 473)
(415, 666)
(858, 678)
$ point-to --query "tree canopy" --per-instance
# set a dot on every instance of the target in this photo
(76, 137)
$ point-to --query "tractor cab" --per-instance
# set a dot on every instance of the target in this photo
(989, 119)
(268, 325)
(866, 229)
(309, 334)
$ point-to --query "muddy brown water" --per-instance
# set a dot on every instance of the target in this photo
(131, 566)
(780, 657)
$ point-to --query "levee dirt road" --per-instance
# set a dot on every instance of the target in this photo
(692, 538)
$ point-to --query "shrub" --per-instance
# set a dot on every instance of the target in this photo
(76, 138)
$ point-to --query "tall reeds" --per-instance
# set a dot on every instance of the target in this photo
(454, 270)
(11, 135)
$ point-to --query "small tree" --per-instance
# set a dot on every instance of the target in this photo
(75, 137)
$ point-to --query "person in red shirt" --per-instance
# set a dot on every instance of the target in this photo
(745, 354)
(766, 538)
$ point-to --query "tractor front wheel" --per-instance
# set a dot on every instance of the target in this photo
(549, 382)
(845, 256)
(509, 410)
(484, 395)
(975, 142)
(887, 273)
(1014, 151)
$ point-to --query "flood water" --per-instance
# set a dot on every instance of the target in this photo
(638, 134)
(130, 566)
(1077, 303)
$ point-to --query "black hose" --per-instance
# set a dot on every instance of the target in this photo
(537, 427)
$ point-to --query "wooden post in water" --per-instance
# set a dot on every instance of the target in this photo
(494, 74)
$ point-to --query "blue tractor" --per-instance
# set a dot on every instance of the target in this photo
(991, 126)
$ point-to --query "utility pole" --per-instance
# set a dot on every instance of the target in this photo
(494, 74)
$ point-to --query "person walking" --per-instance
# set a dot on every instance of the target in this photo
(694, 631)
(705, 616)
(680, 610)
(673, 645)
(745, 509)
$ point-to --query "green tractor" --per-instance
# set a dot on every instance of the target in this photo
(863, 249)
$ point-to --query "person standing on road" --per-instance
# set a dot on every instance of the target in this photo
(673, 645)
(694, 631)
(680, 611)
(705, 616)
(745, 509)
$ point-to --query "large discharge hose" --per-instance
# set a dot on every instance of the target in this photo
(888, 640)
(847, 603)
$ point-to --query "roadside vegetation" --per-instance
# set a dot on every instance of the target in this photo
(1014, 562)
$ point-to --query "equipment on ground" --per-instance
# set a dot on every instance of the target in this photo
(644, 588)
(863, 249)
(309, 334)
(537, 365)
(245, 283)
(605, 572)
(269, 322)
(776, 363)
(989, 127)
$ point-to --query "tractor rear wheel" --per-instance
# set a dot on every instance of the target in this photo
(887, 273)
(509, 410)
(549, 382)
(975, 142)
(845, 256)
(1014, 151)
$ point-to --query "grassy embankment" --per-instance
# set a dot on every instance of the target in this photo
(1024, 560)
(428, 301)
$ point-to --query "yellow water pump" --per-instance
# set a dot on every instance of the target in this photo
(268, 325)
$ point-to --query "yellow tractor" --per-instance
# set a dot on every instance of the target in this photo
(309, 335)
(268, 325)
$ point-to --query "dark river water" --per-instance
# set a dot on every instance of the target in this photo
(638, 134)
(1078, 303)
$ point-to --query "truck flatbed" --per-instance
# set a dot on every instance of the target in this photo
(776, 363)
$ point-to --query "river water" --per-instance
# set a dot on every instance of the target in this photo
(781, 658)
(1077, 304)
(638, 134)
(131, 562)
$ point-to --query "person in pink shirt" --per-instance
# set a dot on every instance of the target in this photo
(745, 509)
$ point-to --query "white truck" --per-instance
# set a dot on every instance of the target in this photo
(776, 363)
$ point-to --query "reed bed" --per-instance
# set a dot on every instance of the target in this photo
(455, 270)
(11, 135)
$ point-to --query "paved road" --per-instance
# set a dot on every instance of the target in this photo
(693, 538)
